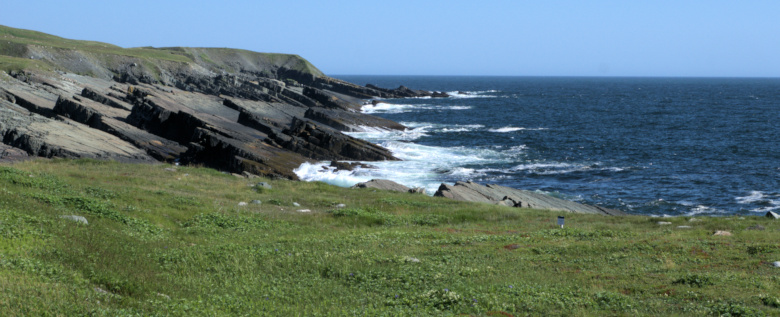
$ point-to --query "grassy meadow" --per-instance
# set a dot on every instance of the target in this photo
(172, 240)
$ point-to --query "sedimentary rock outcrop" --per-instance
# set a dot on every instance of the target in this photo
(494, 194)
(383, 184)
(234, 110)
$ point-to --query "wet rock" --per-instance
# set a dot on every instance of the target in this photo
(321, 143)
(383, 184)
(417, 190)
(348, 166)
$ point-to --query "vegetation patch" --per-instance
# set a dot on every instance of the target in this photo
(159, 245)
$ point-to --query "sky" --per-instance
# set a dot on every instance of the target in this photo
(691, 38)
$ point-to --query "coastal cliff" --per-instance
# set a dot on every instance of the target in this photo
(230, 109)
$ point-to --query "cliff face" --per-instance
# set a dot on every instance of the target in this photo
(234, 110)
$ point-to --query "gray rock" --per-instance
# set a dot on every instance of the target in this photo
(663, 223)
(256, 202)
(756, 227)
(494, 194)
(684, 227)
(75, 218)
(339, 206)
(383, 184)
(170, 169)
(264, 185)
(249, 175)
(776, 264)
(417, 190)
(296, 204)
(243, 203)
(694, 220)
(303, 210)
(772, 215)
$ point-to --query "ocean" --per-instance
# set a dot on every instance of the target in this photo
(650, 146)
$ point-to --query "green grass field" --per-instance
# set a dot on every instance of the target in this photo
(178, 243)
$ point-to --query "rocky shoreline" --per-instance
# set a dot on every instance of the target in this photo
(237, 111)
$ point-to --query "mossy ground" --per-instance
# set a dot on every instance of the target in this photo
(177, 243)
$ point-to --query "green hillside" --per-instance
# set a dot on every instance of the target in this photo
(30, 50)
(170, 240)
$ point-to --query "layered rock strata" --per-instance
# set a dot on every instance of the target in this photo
(495, 194)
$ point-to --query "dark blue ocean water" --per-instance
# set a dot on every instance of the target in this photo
(659, 146)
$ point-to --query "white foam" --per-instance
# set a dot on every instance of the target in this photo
(539, 166)
(391, 108)
(383, 107)
(472, 94)
(514, 129)
(378, 134)
(755, 196)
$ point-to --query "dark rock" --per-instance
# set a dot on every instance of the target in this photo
(772, 215)
(348, 166)
(494, 194)
(11, 154)
(322, 143)
(417, 190)
(383, 184)
(103, 99)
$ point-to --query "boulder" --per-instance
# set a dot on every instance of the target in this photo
(12, 154)
(383, 184)
(772, 215)
(75, 218)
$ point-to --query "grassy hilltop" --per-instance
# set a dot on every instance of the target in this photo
(166, 240)
(26, 50)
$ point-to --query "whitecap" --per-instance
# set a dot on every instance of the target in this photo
(514, 129)
(383, 107)
(755, 196)
(377, 134)
(472, 94)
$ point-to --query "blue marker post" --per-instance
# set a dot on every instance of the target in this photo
(560, 221)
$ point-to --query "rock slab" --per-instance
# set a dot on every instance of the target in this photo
(495, 194)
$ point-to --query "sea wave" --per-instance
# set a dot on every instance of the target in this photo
(514, 129)
(392, 108)
(473, 94)
(763, 201)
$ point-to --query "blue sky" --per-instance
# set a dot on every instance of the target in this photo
(490, 37)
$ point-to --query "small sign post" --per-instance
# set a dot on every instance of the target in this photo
(560, 221)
